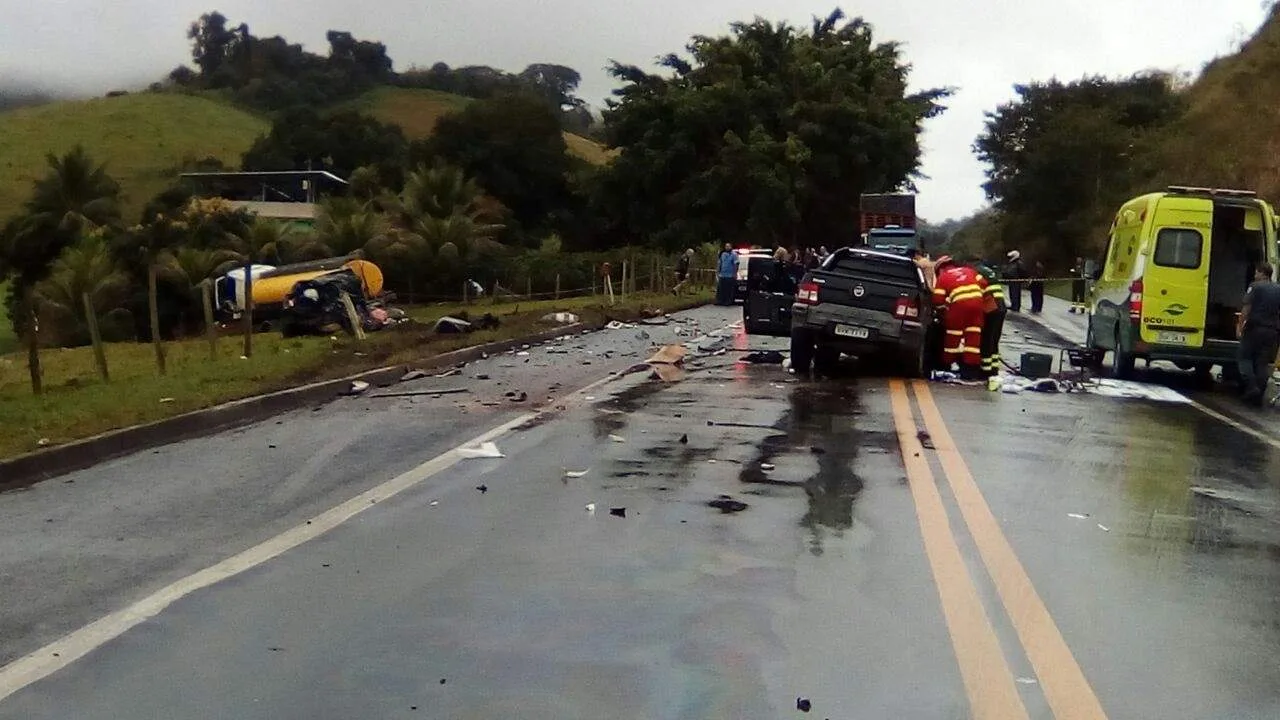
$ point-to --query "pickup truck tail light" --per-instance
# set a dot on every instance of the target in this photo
(1135, 299)
(808, 293)
(906, 309)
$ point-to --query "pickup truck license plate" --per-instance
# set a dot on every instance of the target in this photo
(1171, 338)
(849, 331)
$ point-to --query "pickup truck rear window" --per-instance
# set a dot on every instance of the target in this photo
(875, 267)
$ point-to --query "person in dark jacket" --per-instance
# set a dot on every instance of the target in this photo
(1036, 286)
(1013, 272)
(1259, 332)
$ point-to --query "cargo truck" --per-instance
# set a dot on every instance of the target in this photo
(887, 222)
(271, 285)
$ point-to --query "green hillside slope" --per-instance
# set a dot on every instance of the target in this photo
(417, 111)
(143, 139)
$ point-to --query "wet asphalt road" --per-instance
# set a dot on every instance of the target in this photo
(1148, 534)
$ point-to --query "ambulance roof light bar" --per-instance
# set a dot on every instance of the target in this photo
(1189, 190)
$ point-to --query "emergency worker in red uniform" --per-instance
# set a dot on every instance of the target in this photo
(959, 290)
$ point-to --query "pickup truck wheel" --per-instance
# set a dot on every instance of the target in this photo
(911, 363)
(825, 358)
(801, 351)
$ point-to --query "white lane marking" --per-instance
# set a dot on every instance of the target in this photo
(75, 645)
(60, 653)
(1236, 424)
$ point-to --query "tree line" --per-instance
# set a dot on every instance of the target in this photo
(766, 134)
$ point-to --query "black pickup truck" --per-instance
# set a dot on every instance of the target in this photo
(870, 304)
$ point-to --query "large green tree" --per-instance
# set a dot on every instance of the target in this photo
(512, 144)
(1060, 156)
(768, 134)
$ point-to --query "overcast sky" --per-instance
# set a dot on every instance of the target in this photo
(980, 47)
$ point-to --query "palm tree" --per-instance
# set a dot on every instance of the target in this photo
(265, 241)
(87, 267)
(344, 229)
(76, 194)
(454, 237)
(154, 242)
(441, 191)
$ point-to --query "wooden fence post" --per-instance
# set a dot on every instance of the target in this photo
(99, 353)
(493, 296)
(210, 329)
(528, 286)
(357, 328)
(466, 289)
(33, 345)
(557, 286)
(248, 310)
(623, 282)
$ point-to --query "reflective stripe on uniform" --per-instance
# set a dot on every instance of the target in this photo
(963, 292)
(951, 351)
(955, 332)
(975, 351)
(973, 329)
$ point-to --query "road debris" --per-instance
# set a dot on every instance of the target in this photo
(357, 387)
(925, 439)
(590, 508)
(803, 704)
(618, 512)
(483, 489)
(418, 393)
(164, 400)
(1103, 528)
(727, 505)
(43, 442)
(764, 357)
(449, 373)
(483, 450)
(767, 467)
(575, 474)
(684, 439)
(482, 376)
(617, 438)
(1027, 681)
(562, 318)
(518, 397)
(413, 375)
(1078, 516)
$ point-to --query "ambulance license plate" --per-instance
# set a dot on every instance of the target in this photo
(1172, 338)
(849, 331)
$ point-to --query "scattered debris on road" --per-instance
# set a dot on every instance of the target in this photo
(764, 357)
(925, 439)
(767, 467)
(1027, 681)
(413, 375)
(727, 505)
(617, 438)
(618, 512)
(483, 450)
(803, 704)
(1103, 528)
(590, 508)
(418, 393)
(561, 318)
(684, 439)
(483, 489)
(357, 387)
(575, 474)
(1078, 516)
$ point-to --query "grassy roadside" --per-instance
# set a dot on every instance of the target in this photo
(76, 404)
(8, 341)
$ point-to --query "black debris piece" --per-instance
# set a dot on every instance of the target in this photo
(509, 393)
(483, 489)
(443, 681)
(727, 505)
(618, 512)
(482, 377)
(766, 357)
(684, 439)
(817, 450)
(925, 439)
(803, 704)
(453, 326)
(519, 397)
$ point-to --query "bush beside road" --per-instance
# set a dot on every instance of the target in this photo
(76, 404)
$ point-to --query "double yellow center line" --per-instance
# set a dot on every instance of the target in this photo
(988, 682)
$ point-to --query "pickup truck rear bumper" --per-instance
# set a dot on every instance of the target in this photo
(884, 331)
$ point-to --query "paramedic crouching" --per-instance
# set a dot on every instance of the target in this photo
(1259, 331)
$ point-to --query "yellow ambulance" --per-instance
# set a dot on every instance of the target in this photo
(1174, 276)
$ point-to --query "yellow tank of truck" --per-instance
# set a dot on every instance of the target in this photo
(272, 290)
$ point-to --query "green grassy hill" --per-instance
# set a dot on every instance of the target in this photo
(143, 139)
(1229, 136)
(417, 111)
